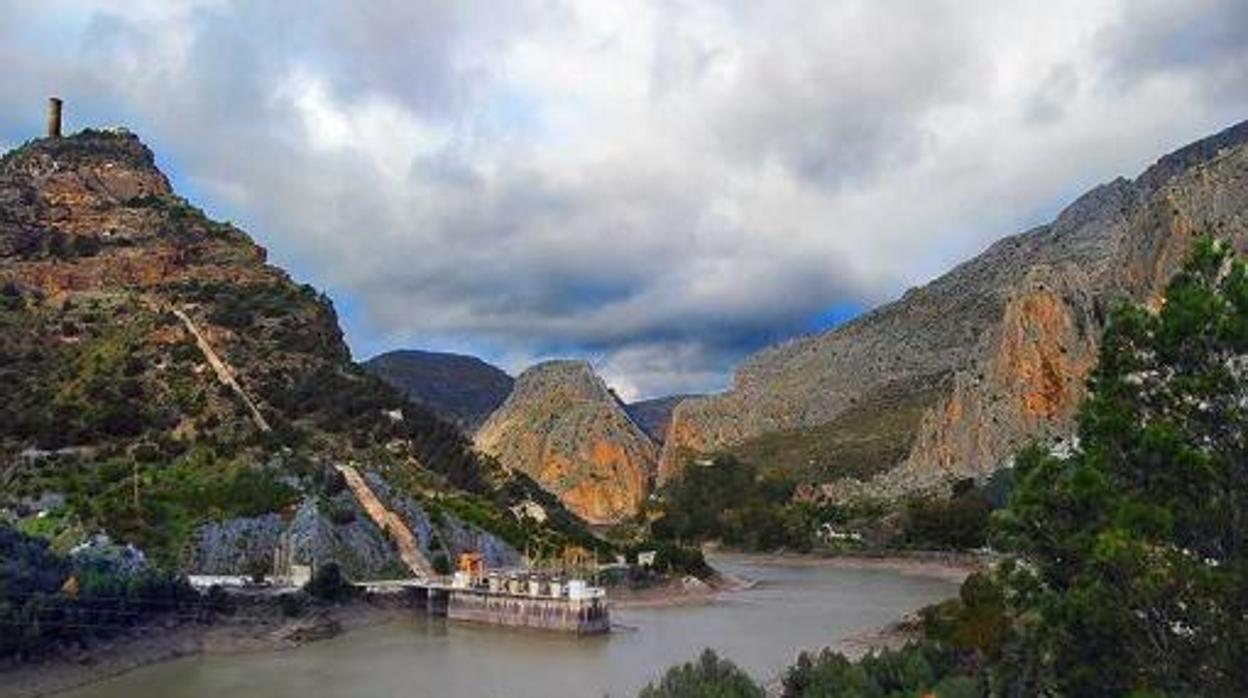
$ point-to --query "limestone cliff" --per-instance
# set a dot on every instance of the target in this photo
(563, 427)
(991, 354)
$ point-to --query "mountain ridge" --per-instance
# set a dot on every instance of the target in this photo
(1003, 341)
(460, 388)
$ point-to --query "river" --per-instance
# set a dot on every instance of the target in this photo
(790, 608)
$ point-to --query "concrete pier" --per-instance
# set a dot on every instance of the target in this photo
(568, 608)
(580, 616)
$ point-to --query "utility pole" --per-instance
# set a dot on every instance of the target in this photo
(135, 479)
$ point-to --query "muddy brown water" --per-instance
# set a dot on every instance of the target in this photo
(791, 607)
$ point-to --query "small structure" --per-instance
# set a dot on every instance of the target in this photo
(646, 558)
(530, 509)
(518, 599)
(831, 534)
(54, 117)
(473, 564)
(531, 601)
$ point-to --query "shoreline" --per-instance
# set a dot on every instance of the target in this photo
(160, 642)
(686, 591)
(272, 632)
(949, 566)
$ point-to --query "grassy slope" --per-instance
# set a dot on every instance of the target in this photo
(865, 440)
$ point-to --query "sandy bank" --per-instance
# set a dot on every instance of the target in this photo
(676, 592)
(952, 567)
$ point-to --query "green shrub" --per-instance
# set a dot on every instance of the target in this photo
(441, 563)
(913, 670)
(328, 584)
(732, 501)
(708, 677)
(957, 523)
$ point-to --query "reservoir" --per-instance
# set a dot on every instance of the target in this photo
(791, 607)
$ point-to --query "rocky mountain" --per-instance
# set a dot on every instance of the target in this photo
(564, 427)
(953, 377)
(461, 389)
(161, 383)
(655, 414)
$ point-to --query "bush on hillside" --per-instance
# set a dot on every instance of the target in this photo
(328, 584)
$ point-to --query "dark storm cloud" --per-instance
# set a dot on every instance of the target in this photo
(657, 186)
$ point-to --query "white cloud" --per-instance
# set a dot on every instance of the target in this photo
(658, 186)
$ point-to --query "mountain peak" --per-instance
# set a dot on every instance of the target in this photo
(573, 378)
(988, 356)
(564, 427)
(458, 387)
(107, 153)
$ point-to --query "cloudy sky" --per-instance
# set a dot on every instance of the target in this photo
(658, 186)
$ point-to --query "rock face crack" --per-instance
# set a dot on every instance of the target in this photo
(390, 522)
(224, 373)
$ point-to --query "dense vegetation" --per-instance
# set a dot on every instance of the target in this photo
(1132, 554)
(732, 501)
(49, 602)
(152, 503)
(959, 522)
(737, 503)
(1127, 571)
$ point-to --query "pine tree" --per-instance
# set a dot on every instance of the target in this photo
(1132, 565)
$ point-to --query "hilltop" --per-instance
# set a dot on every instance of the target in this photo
(160, 382)
(461, 389)
(565, 428)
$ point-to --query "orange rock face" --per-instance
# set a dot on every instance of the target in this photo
(564, 428)
(1042, 357)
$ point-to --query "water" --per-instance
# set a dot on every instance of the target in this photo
(761, 629)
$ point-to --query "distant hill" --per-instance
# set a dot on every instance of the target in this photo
(953, 377)
(655, 414)
(567, 430)
(462, 389)
(160, 382)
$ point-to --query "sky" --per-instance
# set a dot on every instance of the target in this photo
(658, 186)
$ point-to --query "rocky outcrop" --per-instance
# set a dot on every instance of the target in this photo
(461, 389)
(1006, 340)
(563, 427)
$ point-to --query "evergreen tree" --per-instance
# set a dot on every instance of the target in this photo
(1132, 565)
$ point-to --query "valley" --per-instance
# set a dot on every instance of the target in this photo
(175, 407)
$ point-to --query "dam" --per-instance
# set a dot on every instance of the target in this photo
(518, 598)
(514, 599)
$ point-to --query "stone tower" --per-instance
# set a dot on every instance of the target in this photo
(54, 117)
